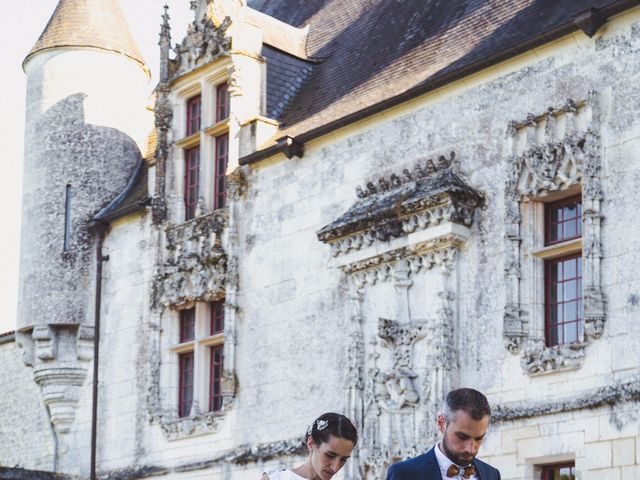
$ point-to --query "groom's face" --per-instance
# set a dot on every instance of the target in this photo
(462, 437)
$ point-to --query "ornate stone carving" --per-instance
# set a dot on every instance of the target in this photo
(539, 359)
(60, 356)
(400, 390)
(554, 151)
(195, 424)
(203, 43)
(394, 206)
(196, 264)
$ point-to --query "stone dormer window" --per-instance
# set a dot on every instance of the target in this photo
(555, 305)
(204, 145)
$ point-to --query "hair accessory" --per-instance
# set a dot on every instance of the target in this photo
(309, 428)
(321, 424)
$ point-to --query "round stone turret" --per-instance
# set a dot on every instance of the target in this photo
(86, 124)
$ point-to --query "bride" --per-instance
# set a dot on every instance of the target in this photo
(330, 440)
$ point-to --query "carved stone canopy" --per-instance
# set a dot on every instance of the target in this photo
(386, 209)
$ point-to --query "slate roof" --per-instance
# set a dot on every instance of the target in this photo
(134, 198)
(286, 75)
(382, 52)
(88, 23)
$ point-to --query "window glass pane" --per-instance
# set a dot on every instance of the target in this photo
(579, 261)
(563, 220)
(570, 269)
(570, 290)
(570, 230)
(570, 312)
(570, 332)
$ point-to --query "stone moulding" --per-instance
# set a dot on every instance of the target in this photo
(611, 395)
(196, 264)
(241, 455)
(195, 424)
(556, 151)
(395, 206)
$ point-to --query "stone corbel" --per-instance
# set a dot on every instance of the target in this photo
(85, 342)
(46, 345)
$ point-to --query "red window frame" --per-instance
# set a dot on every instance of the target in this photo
(561, 221)
(563, 300)
(187, 325)
(185, 389)
(193, 115)
(220, 174)
(222, 102)
(554, 472)
(215, 377)
(216, 310)
(191, 181)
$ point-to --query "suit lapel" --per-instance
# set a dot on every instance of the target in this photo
(432, 469)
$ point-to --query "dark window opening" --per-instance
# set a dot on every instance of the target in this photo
(191, 181)
(221, 160)
(187, 325)
(563, 220)
(222, 102)
(217, 317)
(564, 304)
(193, 115)
(185, 399)
(215, 381)
(559, 472)
(67, 219)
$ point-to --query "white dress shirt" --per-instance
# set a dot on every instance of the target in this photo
(444, 463)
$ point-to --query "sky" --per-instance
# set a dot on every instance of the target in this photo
(20, 26)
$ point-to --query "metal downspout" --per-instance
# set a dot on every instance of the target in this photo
(100, 230)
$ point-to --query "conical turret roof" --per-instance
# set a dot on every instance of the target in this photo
(88, 23)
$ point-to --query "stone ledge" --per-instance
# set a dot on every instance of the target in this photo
(23, 474)
(610, 395)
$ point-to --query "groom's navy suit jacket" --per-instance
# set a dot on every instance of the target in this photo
(425, 467)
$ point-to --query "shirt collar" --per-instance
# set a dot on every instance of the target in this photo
(443, 461)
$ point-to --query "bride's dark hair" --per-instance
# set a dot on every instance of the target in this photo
(331, 424)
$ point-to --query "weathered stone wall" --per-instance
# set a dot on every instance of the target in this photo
(295, 326)
(26, 435)
(85, 117)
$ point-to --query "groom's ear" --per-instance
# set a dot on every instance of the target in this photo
(442, 424)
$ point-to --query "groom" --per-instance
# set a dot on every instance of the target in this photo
(463, 424)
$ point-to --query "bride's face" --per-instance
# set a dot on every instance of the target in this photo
(328, 458)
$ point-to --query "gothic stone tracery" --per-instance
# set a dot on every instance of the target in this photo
(389, 235)
(556, 151)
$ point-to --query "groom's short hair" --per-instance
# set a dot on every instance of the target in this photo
(470, 401)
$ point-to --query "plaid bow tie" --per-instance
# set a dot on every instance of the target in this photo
(453, 470)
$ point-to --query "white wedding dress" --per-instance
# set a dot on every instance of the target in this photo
(283, 474)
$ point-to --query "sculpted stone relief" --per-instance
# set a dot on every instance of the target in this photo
(195, 267)
(397, 391)
(556, 151)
